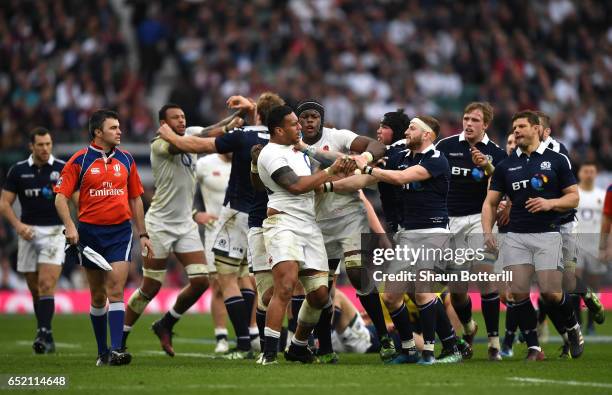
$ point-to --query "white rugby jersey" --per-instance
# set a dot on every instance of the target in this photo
(589, 218)
(273, 157)
(334, 205)
(212, 173)
(175, 182)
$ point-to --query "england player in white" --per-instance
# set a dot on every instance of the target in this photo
(291, 235)
(212, 173)
(589, 225)
(171, 229)
(342, 218)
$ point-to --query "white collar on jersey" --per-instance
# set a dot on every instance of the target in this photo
(541, 148)
(430, 147)
(485, 140)
(50, 161)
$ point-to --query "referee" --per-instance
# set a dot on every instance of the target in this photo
(41, 242)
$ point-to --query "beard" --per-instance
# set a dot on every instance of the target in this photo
(414, 142)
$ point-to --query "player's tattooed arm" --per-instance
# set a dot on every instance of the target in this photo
(363, 144)
(192, 144)
(297, 185)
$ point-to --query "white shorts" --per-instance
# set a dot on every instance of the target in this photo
(229, 237)
(166, 240)
(47, 246)
(343, 234)
(542, 250)
(434, 240)
(288, 238)
(208, 252)
(256, 254)
(467, 231)
(569, 235)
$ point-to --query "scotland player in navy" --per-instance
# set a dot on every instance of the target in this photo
(468, 189)
(542, 188)
(41, 242)
(244, 208)
(424, 174)
(569, 225)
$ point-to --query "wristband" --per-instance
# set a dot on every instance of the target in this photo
(328, 187)
(369, 157)
(254, 168)
(145, 234)
(368, 170)
(224, 128)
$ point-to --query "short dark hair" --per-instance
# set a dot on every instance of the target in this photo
(544, 119)
(162, 111)
(531, 117)
(509, 133)
(38, 131)
(96, 120)
(588, 163)
(276, 116)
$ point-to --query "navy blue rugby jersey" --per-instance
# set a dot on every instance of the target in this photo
(240, 194)
(33, 186)
(468, 184)
(545, 174)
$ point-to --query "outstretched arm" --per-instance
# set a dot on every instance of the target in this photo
(192, 144)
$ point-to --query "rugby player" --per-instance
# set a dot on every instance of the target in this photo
(109, 196)
(342, 220)
(241, 216)
(468, 189)
(292, 238)
(424, 174)
(40, 252)
(171, 230)
(573, 284)
(542, 188)
(212, 173)
(589, 215)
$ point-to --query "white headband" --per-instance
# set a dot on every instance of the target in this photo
(422, 125)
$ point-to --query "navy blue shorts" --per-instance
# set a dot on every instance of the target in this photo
(113, 242)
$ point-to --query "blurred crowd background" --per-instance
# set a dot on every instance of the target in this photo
(62, 59)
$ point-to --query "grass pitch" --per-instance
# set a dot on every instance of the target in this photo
(195, 369)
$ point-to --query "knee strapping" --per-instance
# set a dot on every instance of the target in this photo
(138, 301)
(314, 282)
(352, 261)
(157, 275)
(308, 315)
(196, 270)
(264, 282)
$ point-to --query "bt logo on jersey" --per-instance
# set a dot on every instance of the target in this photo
(519, 184)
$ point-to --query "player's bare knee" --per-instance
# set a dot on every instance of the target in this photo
(552, 297)
(318, 298)
(46, 286)
(150, 287)
(392, 300)
(98, 298)
(354, 276)
(199, 284)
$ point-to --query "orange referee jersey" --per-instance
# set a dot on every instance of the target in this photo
(105, 184)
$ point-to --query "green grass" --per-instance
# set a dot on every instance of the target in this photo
(194, 370)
